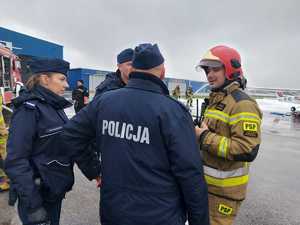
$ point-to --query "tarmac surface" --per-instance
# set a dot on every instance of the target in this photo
(273, 193)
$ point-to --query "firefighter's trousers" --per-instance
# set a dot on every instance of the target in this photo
(222, 211)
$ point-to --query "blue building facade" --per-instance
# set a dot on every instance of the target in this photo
(83, 74)
(26, 45)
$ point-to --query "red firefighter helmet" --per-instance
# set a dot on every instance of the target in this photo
(223, 56)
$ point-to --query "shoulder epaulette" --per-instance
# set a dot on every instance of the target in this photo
(239, 95)
(30, 105)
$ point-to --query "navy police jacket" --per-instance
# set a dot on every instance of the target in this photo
(34, 154)
(151, 166)
(112, 81)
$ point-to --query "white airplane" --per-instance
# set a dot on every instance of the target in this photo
(295, 109)
(287, 98)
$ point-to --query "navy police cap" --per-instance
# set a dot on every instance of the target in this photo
(125, 55)
(147, 56)
(42, 65)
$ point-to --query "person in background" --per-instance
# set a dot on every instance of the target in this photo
(189, 96)
(80, 95)
(176, 92)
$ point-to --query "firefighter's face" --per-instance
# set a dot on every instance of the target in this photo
(215, 76)
(125, 69)
(56, 82)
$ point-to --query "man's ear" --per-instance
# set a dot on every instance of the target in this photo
(118, 65)
(131, 70)
(162, 73)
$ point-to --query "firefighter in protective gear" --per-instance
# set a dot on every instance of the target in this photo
(189, 96)
(4, 182)
(176, 92)
(230, 134)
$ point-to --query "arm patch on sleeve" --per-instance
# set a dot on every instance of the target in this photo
(250, 134)
(250, 126)
(250, 129)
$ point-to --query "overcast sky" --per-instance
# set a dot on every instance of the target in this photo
(265, 32)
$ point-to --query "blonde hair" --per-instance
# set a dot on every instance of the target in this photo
(35, 79)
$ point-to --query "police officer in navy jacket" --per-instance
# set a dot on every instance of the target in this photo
(151, 167)
(119, 78)
(39, 170)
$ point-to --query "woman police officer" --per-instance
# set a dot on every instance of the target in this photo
(32, 143)
(40, 172)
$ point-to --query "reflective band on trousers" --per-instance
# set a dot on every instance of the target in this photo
(226, 178)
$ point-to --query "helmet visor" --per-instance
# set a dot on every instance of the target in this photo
(204, 63)
(210, 63)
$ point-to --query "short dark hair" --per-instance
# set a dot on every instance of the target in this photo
(81, 81)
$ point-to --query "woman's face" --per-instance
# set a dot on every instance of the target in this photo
(56, 82)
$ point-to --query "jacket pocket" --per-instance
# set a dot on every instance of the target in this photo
(57, 178)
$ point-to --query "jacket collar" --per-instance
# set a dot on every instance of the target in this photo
(119, 77)
(116, 77)
(56, 101)
(25, 95)
(220, 95)
(148, 82)
(231, 87)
